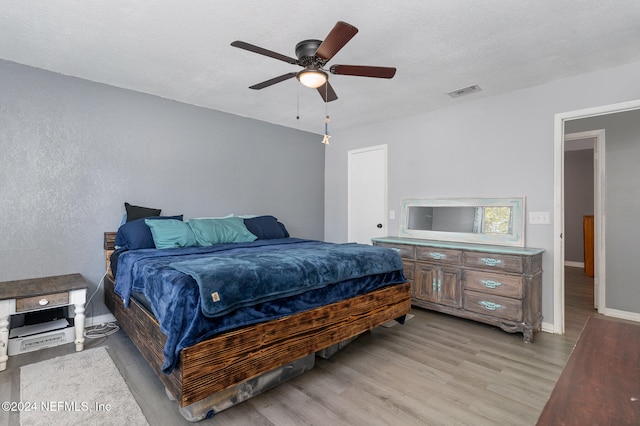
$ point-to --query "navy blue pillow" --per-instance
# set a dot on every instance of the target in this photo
(266, 227)
(139, 212)
(136, 234)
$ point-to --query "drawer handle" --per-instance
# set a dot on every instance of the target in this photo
(439, 285)
(43, 302)
(490, 306)
(489, 261)
(433, 285)
(437, 256)
(490, 283)
(396, 249)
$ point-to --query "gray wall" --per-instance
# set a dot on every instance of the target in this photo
(73, 151)
(622, 204)
(492, 147)
(578, 200)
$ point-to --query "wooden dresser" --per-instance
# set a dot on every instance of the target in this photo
(588, 236)
(496, 285)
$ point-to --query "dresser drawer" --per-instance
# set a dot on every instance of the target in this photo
(439, 255)
(488, 261)
(405, 251)
(495, 284)
(495, 306)
(42, 302)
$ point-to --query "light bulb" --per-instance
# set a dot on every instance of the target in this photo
(312, 78)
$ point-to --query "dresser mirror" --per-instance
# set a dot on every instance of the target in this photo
(470, 220)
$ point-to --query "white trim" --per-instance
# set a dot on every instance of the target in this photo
(558, 225)
(558, 199)
(615, 313)
(599, 209)
(547, 327)
(599, 247)
(599, 110)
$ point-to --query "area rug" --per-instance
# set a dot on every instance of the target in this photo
(81, 388)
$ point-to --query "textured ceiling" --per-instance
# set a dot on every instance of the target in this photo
(181, 49)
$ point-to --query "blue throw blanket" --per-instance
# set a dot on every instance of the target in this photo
(230, 282)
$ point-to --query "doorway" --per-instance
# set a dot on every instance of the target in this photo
(558, 228)
(583, 198)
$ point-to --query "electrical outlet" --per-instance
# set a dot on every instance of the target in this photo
(539, 218)
(392, 214)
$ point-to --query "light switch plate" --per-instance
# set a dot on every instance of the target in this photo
(539, 218)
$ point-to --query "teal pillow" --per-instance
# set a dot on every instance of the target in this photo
(209, 231)
(171, 233)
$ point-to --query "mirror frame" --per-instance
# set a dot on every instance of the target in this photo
(515, 239)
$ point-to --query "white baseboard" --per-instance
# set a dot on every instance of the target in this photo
(574, 264)
(99, 319)
(614, 313)
(631, 316)
(547, 327)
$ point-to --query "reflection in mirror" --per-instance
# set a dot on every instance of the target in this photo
(477, 219)
(449, 219)
(487, 220)
(497, 220)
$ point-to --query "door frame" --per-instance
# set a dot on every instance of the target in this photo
(558, 200)
(598, 210)
(350, 155)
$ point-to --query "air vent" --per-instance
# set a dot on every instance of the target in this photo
(464, 91)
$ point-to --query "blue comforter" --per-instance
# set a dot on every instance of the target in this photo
(179, 283)
(269, 273)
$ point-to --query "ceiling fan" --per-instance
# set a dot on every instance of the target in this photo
(313, 55)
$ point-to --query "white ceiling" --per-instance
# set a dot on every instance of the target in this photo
(181, 49)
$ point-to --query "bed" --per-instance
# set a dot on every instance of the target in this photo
(277, 335)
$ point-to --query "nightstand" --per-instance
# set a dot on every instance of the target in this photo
(41, 294)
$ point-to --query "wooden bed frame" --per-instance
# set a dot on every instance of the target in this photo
(237, 356)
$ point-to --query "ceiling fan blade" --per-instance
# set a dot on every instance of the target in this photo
(263, 51)
(273, 81)
(363, 71)
(335, 40)
(327, 92)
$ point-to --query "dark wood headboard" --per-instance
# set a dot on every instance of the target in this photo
(109, 247)
(109, 240)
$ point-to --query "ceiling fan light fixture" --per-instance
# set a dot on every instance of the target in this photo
(313, 78)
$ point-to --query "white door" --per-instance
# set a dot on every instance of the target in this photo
(367, 194)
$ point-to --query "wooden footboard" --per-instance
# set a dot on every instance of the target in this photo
(236, 356)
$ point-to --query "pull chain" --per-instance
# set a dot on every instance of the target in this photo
(325, 139)
(298, 102)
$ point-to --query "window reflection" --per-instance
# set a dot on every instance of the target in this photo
(497, 220)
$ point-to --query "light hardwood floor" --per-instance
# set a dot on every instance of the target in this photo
(434, 370)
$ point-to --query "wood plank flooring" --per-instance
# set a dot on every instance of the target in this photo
(434, 370)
